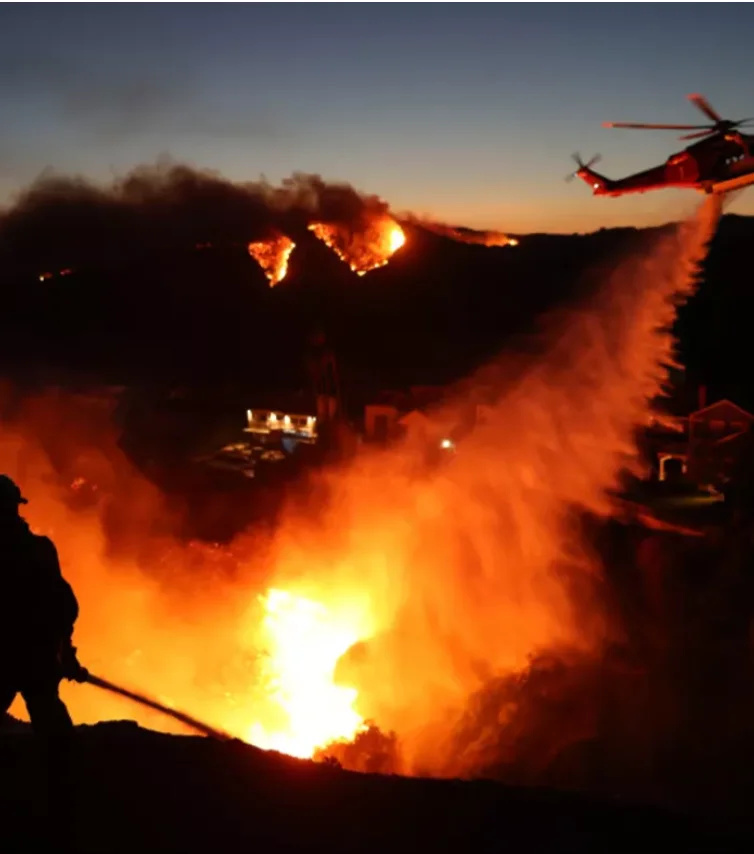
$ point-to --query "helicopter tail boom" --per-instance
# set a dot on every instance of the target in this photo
(599, 183)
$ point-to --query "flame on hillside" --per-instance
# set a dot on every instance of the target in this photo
(467, 235)
(272, 256)
(365, 246)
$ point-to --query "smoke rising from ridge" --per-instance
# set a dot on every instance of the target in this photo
(62, 221)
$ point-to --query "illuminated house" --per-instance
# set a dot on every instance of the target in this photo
(265, 422)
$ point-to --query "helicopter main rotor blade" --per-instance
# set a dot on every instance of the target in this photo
(702, 104)
(698, 135)
(654, 127)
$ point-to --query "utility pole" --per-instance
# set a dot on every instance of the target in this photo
(323, 368)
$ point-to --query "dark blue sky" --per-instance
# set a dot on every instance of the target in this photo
(468, 112)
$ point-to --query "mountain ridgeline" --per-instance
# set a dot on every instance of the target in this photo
(206, 316)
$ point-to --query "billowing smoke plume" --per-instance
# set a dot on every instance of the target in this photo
(62, 222)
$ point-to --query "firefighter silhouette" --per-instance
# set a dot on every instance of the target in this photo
(38, 610)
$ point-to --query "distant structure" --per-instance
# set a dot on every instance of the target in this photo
(419, 413)
(396, 412)
(706, 446)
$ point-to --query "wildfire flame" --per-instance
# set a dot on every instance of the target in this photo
(362, 248)
(272, 256)
(303, 641)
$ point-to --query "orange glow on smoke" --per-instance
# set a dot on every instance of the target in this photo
(272, 256)
(395, 588)
(366, 247)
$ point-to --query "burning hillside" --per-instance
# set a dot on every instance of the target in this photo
(363, 246)
(60, 225)
(394, 591)
(272, 256)
(64, 223)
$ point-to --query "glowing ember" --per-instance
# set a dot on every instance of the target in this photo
(464, 235)
(304, 642)
(364, 249)
(272, 256)
(43, 277)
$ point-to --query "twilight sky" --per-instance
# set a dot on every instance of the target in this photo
(467, 112)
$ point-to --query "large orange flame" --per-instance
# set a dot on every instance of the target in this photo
(405, 585)
(365, 247)
(305, 641)
(272, 256)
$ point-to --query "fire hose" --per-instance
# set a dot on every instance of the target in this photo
(90, 679)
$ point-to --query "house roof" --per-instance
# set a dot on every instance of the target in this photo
(299, 402)
(418, 414)
(717, 403)
(416, 399)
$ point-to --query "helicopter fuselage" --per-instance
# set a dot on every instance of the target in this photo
(721, 160)
(709, 166)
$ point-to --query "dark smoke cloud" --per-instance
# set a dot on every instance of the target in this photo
(63, 221)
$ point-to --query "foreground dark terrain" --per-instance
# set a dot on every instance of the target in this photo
(136, 790)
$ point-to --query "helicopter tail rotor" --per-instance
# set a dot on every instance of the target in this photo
(581, 165)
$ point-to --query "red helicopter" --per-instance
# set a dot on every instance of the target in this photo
(722, 160)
